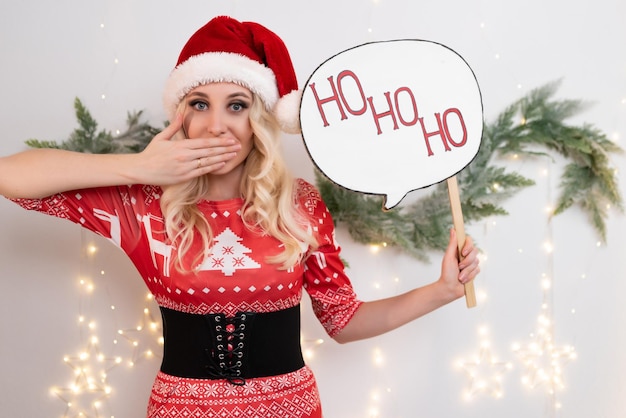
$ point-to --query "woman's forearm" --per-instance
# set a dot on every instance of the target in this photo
(38, 173)
(380, 316)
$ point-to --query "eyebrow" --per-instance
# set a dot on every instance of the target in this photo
(230, 96)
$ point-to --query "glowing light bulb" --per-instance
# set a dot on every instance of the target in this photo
(548, 247)
(378, 357)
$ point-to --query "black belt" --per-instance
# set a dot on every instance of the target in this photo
(214, 346)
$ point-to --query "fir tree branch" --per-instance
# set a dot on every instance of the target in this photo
(87, 138)
(532, 126)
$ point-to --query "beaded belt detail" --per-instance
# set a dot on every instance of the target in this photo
(247, 345)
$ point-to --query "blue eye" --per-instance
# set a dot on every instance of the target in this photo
(199, 105)
(238, 106)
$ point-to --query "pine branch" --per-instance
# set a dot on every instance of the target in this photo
(589, 173)
(530, 127)
(86, 138)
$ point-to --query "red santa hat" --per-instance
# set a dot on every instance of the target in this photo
(246, 53)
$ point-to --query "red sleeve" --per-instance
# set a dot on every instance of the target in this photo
(109, 211)
(333, 298)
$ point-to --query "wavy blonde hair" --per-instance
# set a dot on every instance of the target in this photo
(269, 207)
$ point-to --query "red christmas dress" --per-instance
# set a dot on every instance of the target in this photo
(235, 278)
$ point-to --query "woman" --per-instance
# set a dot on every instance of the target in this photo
(222, 235)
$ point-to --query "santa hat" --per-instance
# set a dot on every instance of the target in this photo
(246, 53)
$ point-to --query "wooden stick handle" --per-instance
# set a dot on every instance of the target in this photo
(459, 227)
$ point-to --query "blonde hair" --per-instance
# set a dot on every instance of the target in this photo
(269, 206)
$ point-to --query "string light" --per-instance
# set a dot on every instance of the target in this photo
(543, 360)
(146, 339)
(481, 296)
(309, 347)
(378, 357)
(86, 393)
(375, 248)
(484, 370)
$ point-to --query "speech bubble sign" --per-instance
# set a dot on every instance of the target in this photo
(391, 117)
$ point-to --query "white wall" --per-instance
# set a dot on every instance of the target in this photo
(54, 51)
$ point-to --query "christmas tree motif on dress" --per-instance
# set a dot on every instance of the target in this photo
(228, 255)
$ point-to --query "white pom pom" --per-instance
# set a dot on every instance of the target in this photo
(287, 112)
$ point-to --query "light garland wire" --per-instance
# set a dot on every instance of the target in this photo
(542, 359)
(484, 371)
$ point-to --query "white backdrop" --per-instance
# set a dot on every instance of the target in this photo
(115, 55)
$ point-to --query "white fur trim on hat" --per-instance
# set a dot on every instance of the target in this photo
(212, 67)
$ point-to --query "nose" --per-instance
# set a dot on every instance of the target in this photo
(216, 125)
